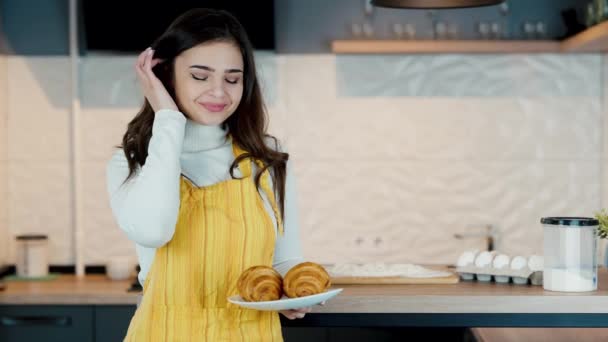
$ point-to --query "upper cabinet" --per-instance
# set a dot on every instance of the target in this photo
(593, 39)
(515, 26)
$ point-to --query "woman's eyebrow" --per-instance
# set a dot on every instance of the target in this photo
(232, 71)
(204, 67)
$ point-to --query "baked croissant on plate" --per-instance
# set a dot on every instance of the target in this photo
(260, 283)
(305, 279)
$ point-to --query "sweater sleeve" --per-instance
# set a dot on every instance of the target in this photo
(288, 247)
(146, 206)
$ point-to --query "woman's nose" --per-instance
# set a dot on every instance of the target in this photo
(218, 89)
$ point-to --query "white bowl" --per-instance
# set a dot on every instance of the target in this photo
(120, 268)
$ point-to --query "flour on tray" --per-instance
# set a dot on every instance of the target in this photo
(384, 270)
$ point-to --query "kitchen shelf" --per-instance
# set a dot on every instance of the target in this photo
(443, 46)
(594, 39)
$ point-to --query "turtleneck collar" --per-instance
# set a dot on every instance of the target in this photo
(198, 137)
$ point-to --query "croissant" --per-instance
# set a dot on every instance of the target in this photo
(260, 283)
(305, 279)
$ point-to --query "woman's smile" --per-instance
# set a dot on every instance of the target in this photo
(213, 107)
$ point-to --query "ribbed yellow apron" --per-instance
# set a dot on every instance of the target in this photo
(221, 230)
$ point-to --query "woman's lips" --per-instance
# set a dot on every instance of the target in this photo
(213, 107)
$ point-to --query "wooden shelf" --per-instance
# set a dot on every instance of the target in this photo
(594, 39)
(443, 46)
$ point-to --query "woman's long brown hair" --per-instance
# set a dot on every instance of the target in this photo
(247, 125)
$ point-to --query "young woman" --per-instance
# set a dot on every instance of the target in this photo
(201, 188)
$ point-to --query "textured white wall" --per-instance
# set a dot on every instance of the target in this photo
(603, 245)
(38, 152)
(443, 144)
(3, 162)
(393, 154)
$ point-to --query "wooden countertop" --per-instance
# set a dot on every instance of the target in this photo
(68, 290)
(464, 297)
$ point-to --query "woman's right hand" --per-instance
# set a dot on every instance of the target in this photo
(152, 87)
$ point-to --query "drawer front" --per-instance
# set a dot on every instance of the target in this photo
(49, 323)
(112, 322)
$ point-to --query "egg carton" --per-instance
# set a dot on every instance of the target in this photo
(500, 275)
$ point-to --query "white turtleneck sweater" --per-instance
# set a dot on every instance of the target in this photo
(146, 207)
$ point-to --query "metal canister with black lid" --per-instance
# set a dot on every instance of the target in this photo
(570, 254)
(32, 256)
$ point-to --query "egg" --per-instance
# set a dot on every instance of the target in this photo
(484, 259)
(536, 262)
(501, 261)
(466, 258)
(518, 263)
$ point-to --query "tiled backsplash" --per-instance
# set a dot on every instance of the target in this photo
(410, 161)
(393, 154)
(506, 76)
(3, 160)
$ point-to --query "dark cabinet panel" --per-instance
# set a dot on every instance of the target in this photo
(112, 322)
(25, 323)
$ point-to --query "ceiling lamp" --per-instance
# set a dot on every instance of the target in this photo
(434, 4)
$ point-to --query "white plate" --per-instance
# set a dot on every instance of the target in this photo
(285, 303)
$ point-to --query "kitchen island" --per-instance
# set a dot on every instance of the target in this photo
(468, 303)
(105, 308)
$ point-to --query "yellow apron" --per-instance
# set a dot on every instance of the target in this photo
(222, 229)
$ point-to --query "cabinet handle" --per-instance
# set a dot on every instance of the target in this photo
(7, 321)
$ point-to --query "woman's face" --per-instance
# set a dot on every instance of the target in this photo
(208, 82)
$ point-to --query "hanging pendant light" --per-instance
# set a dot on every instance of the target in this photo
(434, 4)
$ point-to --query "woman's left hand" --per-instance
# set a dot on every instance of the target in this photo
(298, 313)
